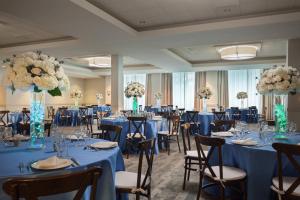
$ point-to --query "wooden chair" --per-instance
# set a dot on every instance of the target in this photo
(135, 133)
(190, 156)
(4, 117)
(252, 114)
(108, 132)
(64, 116)
(32, 188)
(287, 188)
(138, 183)
(235, 113)
(193, 119)
(220, 175)
(173, 131)
(219, 115)
(147, 108)
(181, 111)
(222, 125)
(25, 123)
(83, 113)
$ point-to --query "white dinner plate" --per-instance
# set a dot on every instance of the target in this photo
(104, 145)
(62, 164)
(222, 134)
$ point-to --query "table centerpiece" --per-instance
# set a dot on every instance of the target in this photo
(76, 94)
(242, 96)
(204, 94)
(99, 97)
(36, 72)
(135, 90)
(280, 81)
(157, 97)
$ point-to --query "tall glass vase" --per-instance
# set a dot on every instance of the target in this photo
(158, 103)
(135, 105)
(280, 118)
(204, 105)
(242, 103)
(76, 102)
(37, 116)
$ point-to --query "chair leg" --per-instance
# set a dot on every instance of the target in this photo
(222, 192)
(127, 149)
(189, 170)
(200, 186)
(138, 196)
(168, 144)
(184, 178)
(149, 192)
(244, 189)
(177, 138)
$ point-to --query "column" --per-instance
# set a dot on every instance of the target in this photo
(117, 84)
(293, 59)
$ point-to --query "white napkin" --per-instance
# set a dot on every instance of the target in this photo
(248, 142)
(231, 129)
(104, 145)
(222, 134)
(17, 137)
(51, 162)
(74, 137)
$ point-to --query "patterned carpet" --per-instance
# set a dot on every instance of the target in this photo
(167, 177)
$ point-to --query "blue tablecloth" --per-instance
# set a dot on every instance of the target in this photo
(205, 118)
(110, 160)
(260, 164)
(151, 130)
(244, 114)
(104, 108)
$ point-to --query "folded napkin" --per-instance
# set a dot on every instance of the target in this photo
(74, 137)
(52, 162)
(222, 134)
(18, 137)
(231, 129)
(247, 142)
(104, 145)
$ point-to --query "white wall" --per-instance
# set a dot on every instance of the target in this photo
(107, 89)
(91, 88)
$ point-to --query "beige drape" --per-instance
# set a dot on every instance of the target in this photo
(222, 88)
(148, 97)
(267, 106)
(200, 82)
(166, 89)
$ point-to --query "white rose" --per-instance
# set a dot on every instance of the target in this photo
(36, 71)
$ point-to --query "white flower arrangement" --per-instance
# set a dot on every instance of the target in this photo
(134, 89)
(242, 95)
(158, 96)
(279, 80)
(76, 94)
(204, 93)
(99, 96)
(37, 71)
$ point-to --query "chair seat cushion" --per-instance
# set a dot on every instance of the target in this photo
(127, 180)
(229, 173)
(137, 135)
(194, 154)
(287, 182)
(166, 133)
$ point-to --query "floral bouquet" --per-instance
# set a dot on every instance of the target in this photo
(279, 80)
(37, 71)
(99, 96)
(76, 94)
(134, 89)
(204, 93)
(242, 95)
(158, 96)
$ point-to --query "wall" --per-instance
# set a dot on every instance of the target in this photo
(91, 88)
(107, 89)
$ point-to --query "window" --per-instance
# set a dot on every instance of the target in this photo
(141, 78)
(244, 81)
(184, 90)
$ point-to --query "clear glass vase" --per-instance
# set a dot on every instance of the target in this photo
(158, 103)
(135, 105)
(76, 102)
(280, 117)
(204, 105)
(37, 116)
(242, 103)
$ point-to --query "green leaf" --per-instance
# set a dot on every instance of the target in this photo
(55, 92)
(36, 89)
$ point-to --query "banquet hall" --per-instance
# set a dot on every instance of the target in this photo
(163, 100)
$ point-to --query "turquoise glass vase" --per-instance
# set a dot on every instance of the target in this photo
(280, 121)
(37, 116)
(135, 105)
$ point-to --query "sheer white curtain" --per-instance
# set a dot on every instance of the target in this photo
(184, 90)
(141, 78)
(244, 81)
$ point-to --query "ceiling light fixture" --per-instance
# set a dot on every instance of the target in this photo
(238, 52)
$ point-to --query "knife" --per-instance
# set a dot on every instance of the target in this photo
(75, 161)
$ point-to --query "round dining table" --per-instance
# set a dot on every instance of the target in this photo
(16, 162)
(259, 162)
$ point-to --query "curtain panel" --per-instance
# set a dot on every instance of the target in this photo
(222, 88)
(167, 89)
(148, 93)
(200, 82)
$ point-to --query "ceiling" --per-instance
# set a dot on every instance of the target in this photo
(151, 14)
(153, 36)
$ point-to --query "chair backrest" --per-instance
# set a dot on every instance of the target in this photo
(213, 143)
(3, 117)
(63, 111)
(186, 137)
(137, 125)
(111, 132)
(50, 112)
(173, 124)
(26, 116)
(289, 150)
(191, 116)
(219, 115)
(146, 149)
(253, 110)
(223, 125)
(147, 108)
(32, 188)
(181, 111)
(83, 111)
